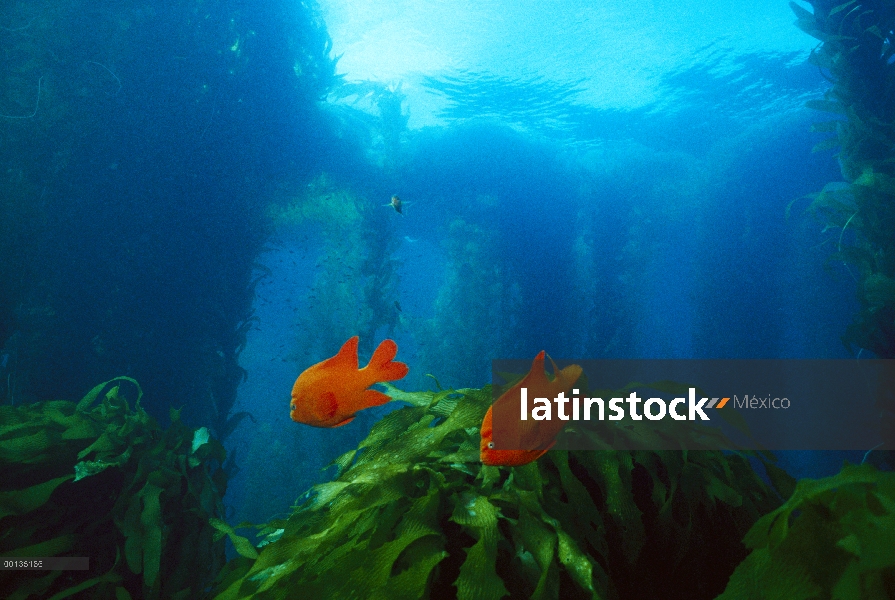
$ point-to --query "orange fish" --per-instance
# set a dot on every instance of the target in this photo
(329, 393)
(533, 438)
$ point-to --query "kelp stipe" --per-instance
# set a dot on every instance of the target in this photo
(474, 296)
(365, 267)
(855, 53)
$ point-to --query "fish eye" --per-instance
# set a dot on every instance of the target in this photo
(491, 445)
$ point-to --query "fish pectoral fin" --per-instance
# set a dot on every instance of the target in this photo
(540, 453)
(375, 398)
(550, 445)
(345, 422)
(328, 405)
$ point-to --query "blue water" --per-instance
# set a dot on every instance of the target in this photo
(622, 192)
(596, 181)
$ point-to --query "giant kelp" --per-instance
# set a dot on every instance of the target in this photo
(355, 281)
(833, 538)
(100, 479)
(414, 514)
(857, 54)
(475, 296)
(137, 143)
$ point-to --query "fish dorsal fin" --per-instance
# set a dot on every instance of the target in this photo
(536, 380)
(537, 434)
(556, 370)
(347, 356)
(536, 374)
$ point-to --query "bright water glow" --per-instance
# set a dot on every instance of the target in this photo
(615, 51)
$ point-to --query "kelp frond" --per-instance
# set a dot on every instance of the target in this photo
(101, 479)
(834, 538)
(414, 514)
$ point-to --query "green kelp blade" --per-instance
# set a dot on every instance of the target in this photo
(242, 544)
(151, 523)
(468, 452)
(735, 419)
(539, 540)
(422, 399)
(413, 582)
(827, 144)
(390, 426)
(110, 577)
(783, 482)
(18, 502)
(26, 449)
(614, 469)
(36, 587)
(478, 579)
(841, 7)
(431, 401)
(759, 576)
(54, 547)
(374, 567)
(342, 462)
(719, 490)
(588, 521)
(772, 529)
(86, 468)
(839, 544)
(95, 392)
(880, 181)
(576, 563)
(150, 502)
(826, 126)
(801, 13)
(830, 106)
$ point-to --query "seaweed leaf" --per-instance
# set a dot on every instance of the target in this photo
(242, 545)
(412, 511)
(841, 7)
(831, 106)
(22, 501)
(832, 539)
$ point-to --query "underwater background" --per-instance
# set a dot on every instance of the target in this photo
(195, 196)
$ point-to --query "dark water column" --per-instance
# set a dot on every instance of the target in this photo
(160, 134)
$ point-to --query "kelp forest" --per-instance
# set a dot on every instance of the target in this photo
(153, 157)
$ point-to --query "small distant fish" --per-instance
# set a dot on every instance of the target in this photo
(329, 393)
(397, 204)
(398, 306)
(410, 239)
(535, 437)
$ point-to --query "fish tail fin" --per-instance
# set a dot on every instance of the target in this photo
(382, 367)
